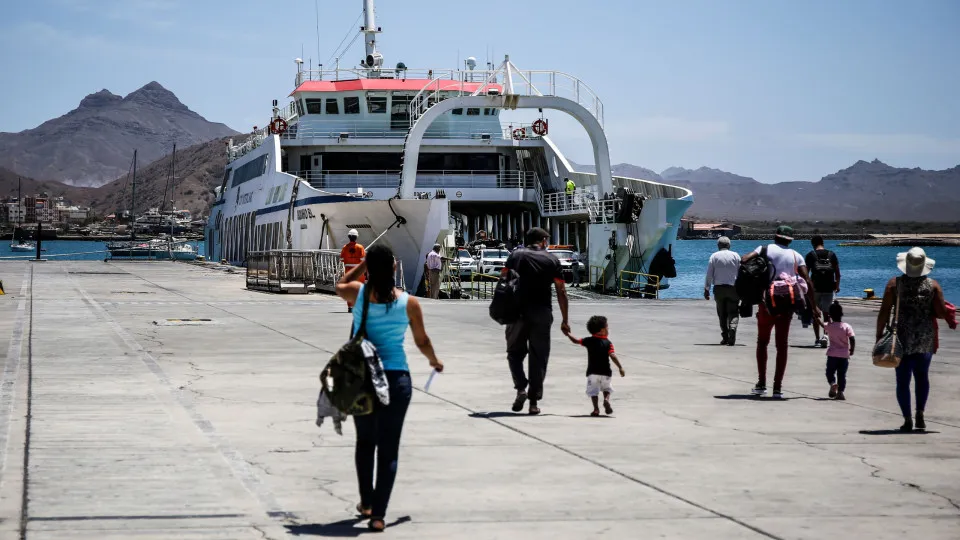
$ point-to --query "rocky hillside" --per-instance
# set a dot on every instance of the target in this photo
(8, 187)
(93, 144)
(199, 170)
(703, 175)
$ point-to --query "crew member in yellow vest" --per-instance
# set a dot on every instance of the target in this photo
(570, 188)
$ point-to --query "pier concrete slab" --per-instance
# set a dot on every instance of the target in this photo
(140, 430)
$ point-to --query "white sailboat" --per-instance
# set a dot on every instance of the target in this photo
(178, 251)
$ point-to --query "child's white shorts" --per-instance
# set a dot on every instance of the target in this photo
(597, 384)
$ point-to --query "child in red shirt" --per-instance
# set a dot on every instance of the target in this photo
(599, 354)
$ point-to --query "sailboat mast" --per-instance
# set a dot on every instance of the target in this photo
(133, 200)
(173, 188)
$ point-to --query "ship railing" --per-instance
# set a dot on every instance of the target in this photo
(603, 211)
(328, 267)
(382, 129)
(348, 74)
(633, 283)
(647, 188)
(450, 179)
(583, 200)
(290, 112)
(251, 143)
(280, 270)
(598, 278)
(299, 270)
(524, 83)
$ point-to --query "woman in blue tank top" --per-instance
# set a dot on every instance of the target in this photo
(391, 311)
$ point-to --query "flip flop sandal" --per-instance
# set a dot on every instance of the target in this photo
(364, 512)
(595, 413)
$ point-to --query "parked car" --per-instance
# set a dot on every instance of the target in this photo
(566, 261)
(463, 264)
(491, 261)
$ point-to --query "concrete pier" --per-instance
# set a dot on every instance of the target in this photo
(163, 400)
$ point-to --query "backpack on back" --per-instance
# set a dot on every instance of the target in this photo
(753, 278)
(823, 274)
(346, 379)
(783, 297)
(505, 306)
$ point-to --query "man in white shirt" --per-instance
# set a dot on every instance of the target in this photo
(782, 260)
(722, 275)
(434, 265)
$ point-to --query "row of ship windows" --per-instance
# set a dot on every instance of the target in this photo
(375, 105)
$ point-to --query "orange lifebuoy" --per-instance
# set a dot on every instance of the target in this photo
(278, 126)
(540, 127)
(519, 133)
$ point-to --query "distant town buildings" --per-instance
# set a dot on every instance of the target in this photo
(41, 209)
(691, 230)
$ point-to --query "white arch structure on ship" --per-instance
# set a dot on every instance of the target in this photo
(601, 151)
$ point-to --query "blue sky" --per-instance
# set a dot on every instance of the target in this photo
(774, 89)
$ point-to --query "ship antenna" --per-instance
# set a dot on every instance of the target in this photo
(373, 60)
(317, 11)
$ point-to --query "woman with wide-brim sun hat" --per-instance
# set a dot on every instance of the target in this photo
(921, 300)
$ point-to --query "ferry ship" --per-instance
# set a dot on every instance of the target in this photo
(423, 156)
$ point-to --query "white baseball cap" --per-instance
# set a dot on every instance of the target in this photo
(352, 232)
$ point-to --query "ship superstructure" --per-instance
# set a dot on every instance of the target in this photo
(425, 151)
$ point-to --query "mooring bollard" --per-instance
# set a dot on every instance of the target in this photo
(39, 238)
(869, 294)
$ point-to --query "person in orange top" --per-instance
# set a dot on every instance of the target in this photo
(352, 254)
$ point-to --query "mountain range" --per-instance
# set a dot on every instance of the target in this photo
(93, 144)
(865, 190)
(85, 156)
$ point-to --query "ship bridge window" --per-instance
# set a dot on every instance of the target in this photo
(490, 112)
(249, 171)
(376, 104)
(356, 161)
(299, 105)
(457, 112)
(314, 106)
(458, 162)
(332, 106)
(400, 111)
(351, 105)
(473, 112)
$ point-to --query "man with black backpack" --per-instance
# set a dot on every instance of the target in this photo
(536, 271)
(781, 299)
(825, 274)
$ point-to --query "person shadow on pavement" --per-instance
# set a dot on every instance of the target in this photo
(345, 528)
(896, 432)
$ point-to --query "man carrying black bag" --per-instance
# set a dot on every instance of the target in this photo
(530, 334)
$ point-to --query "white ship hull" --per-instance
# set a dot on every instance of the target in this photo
(257, 216)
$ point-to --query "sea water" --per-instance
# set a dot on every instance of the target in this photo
(861, 267)
(65, 250)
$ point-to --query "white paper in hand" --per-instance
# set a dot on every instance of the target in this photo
(426, 387)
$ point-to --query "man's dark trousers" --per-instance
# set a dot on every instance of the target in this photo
(728, 311)
(530, 337)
